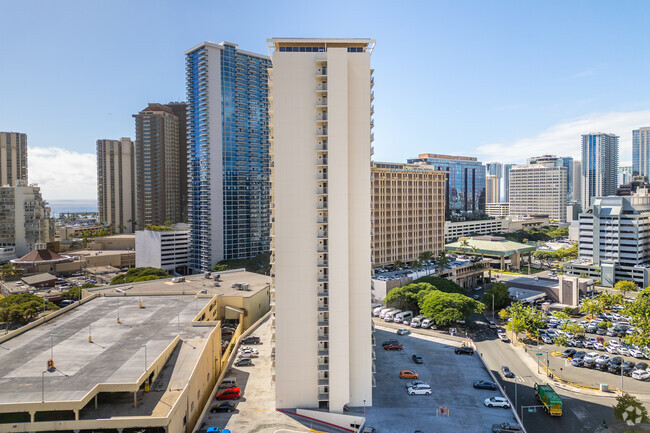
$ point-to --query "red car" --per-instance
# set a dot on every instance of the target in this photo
(393, 347)
(229, 394)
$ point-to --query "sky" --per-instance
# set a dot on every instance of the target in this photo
(499, 80)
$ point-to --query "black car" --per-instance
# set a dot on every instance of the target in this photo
(389, 342)
(614, 365)
(641, 366)
(579, 354)
(417, 359)
(569, 352)
(628, 368)
(226, 406)
(591, 363)
(506, 372)
(485, 384)
(464, 350)
(251, 340)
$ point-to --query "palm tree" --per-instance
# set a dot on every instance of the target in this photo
(398, 264)
(426, 256)
(442, 261)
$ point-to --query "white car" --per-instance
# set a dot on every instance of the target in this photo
(502, 336)
(636, 353)
(496, 402)
(599, 346)
(591, 356)
(614, 343)
(418, 391)
(640, 374)
(612, 349)
(624, 351)
(546, 339)
(402, 331)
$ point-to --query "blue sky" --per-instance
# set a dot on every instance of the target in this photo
(500, 80)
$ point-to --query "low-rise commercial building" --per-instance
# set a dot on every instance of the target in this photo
(505, 254)
(613, 237)
(163, 249)
(498, 210)
(456, 229)
(408, 211)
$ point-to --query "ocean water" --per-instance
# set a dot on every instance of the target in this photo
(78, 206)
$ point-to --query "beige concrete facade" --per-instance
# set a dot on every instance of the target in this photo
(116, 193)
(538, 189)
(13, 158)
(321, 95)
(113, 242)
(491, 189)
(408, 212)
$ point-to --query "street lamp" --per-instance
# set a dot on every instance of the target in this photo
(145, 356)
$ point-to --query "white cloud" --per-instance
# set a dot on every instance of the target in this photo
(563, 139)
(63, 174)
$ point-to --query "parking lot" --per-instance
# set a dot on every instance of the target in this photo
(450, 376)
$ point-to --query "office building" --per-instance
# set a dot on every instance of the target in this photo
(641, 152)
(539, 188)
(497, 210)
(158, 182)
(24, 218)
(562, 161)
(577, 182)
(321, 96)
(506, 181)
(625, 175)
(408, 212)
(116, 193)
(164, 248)
(631, 187)
(599, 166)
(491, 189)
(228, 153)
(465, 187)
(613, 237)
(13, 158)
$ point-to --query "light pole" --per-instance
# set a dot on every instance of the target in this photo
(364, 408)
(43, 386)
(145, 356)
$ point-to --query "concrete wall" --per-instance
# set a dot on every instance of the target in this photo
(118, 242)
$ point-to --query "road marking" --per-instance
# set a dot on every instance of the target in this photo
(580, 412)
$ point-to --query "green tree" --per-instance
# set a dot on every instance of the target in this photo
(442, 261)
(463, 246)
(546, 257)
(630, 408)
(591, 307)
(136, 274)
(573, 328)
(639, 311)
(446, 308)
(426, 257)
(560, 340)
(625, 287)
(220, 267)
(500, 293)
(568, 311)
(608, 299)
(406, 297)
(74, 293)
(22, 309)
(10, 272)
(398, 264)
(561, 315)
(524, 318)
(415, 264)
(442, 284)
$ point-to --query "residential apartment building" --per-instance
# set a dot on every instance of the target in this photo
(491, 189)
(116, 193)
(24, 218)
(539, 189)
(321, 96)
(599, 166)
(506, 181)
(228, 153)
(614, 239)
(158, 162)
(408, 212)
(163, 248)
(641, 152)
(465, 187)
(13, 158)
(562, 161)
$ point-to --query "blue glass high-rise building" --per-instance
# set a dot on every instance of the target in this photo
(464, 186)
(228, 153)
(599, 176)
(641, 152)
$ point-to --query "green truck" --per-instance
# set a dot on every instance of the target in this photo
(549, 398)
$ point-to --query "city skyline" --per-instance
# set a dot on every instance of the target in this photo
(519, 102)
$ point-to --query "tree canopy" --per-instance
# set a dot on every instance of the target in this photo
(260, 264)
(524, 318)
(500, 293)
(447, 308)
(9, 271)
(407, 297)
(629, 408)
(592, 307)
(23, 308)
(639, 310)
(537, 234)
(134, 275)
(625, 287)
(442, 284)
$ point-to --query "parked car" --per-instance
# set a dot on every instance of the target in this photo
(496, 402)
(251, 339)
(243, 362)
(614, 365)
(229, 394)
(402, 331)
(578, 362)
(641, 374)
(506, 372)
(389, 342)
(418, 391)
(394, 346)
(506, 427)
(408, 374)
(464, 350)
(417, 359)
(546, 339)
(502, 336)
(217, 430)
(226, 406)
(636, 353)
(485, 384)
(628, 368)
(568, 353)
(416, 383)
(641, 366)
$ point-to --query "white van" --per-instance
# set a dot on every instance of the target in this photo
(382, 313)
(390, 317)
(417, 321)
(426, 323)
(404, 316)
(377, 310)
